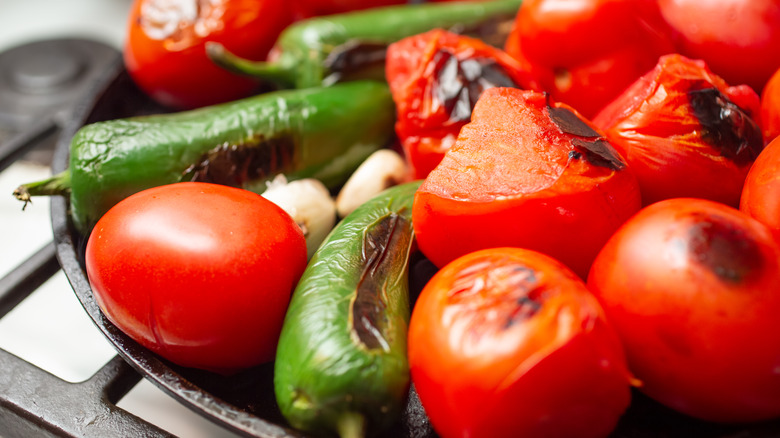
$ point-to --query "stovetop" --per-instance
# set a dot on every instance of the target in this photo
(48, 50)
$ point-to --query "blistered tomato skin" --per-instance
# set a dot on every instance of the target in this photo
(165, 52)
(684, 132)
(761, 194)
(200, 274)
(508, 342)
(691, 286)
(525, 172)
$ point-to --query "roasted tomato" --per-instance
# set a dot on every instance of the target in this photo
(586, 52)
(165, 46)
(508, 342)
(199, 273)
(761, 194)
(436, 78)
(770, 108)
(738, 39)
(529, 173)
(684, 132)
(691, 286)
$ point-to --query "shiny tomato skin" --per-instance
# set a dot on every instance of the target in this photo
(738, 39)
(165, 54)
(515, 178)
(684, 132)
(761, 193)
(508, 342)
(585, 52)
(198, 273)
(770, 108)
(690, 285)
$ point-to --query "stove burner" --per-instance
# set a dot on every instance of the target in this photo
(40, 83)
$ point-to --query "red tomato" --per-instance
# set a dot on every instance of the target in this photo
(684, 132)
(586, 52)
(770, 108)
(529, 173)
(691, 286)
(738, 39)
(761, 194)
(312, 8)
(199, 273)
(436, 78)
(507, 342)
(165, 47)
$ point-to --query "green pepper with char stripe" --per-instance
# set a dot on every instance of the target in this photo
(341, 363)
(322, 133)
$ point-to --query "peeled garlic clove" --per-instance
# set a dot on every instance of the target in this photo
(381, 170)
(309, 203)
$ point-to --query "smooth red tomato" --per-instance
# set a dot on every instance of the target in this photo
(199, 273)
(761, 194)
(738, 39)
(685, 132)
(691, 286)
(165, 46)
(525, 172)
(770, 108)
(586, 52)
(508, 342)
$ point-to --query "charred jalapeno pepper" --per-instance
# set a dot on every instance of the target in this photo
(324, 133)
(324, 50)
(341, 363)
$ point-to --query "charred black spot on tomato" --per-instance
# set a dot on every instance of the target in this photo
(569, 123)
(598, 152)
(459, 84)
(385, 245)
(726, 126)
(235, 164)
(723, 249)
(353, 56)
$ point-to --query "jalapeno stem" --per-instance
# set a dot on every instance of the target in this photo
(276, 72)
(58, 184)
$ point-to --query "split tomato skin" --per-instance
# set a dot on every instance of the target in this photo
(198, 273)
(761, 193)
(586, 52)
(690, 286)
(508, 342)
(685, 132)
(165, 52)
(525, 172)
(738, 39)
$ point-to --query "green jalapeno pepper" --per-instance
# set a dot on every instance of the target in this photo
(323, 133)
(341, 363)
(324, 50)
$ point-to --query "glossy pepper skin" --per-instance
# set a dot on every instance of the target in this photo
(436, 78)
(586, 52)
(323, 133)
(341, 363)
(685, 132)
(323, 50)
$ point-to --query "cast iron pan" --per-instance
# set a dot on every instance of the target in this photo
(245, 403)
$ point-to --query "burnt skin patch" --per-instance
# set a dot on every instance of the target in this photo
(354, 56)
(236, 164)
(570, 123)
(459, 84)
(726, 251)
(598, 152)
(726, 126)
(385, 245)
